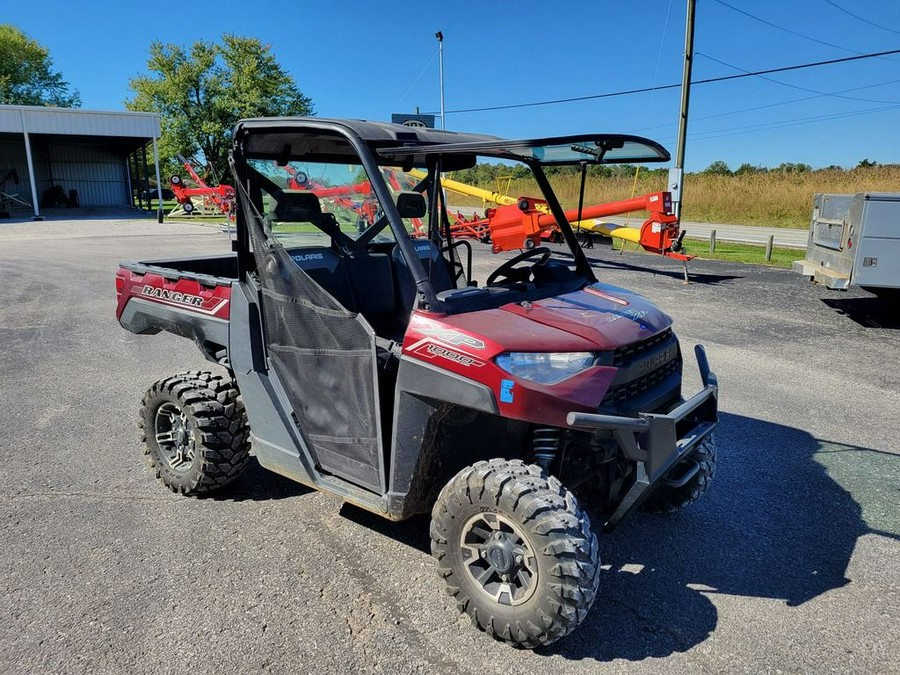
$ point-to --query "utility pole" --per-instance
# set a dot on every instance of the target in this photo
(440, 38)
(676, 174)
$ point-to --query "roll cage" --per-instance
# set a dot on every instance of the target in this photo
(373, 145)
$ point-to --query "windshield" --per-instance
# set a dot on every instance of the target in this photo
(570, 153)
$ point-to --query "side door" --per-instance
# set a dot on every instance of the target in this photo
(321, 353)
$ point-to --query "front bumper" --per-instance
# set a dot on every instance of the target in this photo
(658, 442)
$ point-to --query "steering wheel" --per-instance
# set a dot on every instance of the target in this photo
(506, 269)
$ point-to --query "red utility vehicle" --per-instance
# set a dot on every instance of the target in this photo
(369, 364)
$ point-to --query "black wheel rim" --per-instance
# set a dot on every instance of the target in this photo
(174, 437)
(498, 558)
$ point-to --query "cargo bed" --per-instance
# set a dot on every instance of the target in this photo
(189, 297)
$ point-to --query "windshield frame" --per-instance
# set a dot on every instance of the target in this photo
(523, 150)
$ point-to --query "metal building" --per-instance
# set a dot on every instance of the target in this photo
(79, 157)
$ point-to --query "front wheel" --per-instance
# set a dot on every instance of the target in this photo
(516, 551)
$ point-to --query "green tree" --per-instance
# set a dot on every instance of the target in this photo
(26, 75)
(791, 167)
(201, 92)
(718, 168)
(747, 168)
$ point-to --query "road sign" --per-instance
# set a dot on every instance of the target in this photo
(413, 120)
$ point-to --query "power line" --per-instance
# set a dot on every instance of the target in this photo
(662, 43)
(418, 77)
(786, 30)
(856, 16)
(794, 86)
(659, 54)
(645, 90)
(571, 99)
(768, 105)
(768, 126)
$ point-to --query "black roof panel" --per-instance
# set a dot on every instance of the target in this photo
(326, 139)
(368, 130)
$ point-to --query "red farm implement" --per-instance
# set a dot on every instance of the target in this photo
(198, 197)
(523, 222)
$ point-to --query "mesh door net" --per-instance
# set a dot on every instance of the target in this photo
(324, 355)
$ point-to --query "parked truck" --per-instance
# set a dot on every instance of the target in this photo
(854, 240)
(369, 364)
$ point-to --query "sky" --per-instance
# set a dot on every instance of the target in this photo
(371, 59)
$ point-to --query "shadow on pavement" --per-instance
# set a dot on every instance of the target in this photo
(258, 484)
(870, 312)
(675, 273)
(413, 532)
(656, 265)
(82, 213)
(780, 522)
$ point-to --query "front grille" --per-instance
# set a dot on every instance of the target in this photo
(618, 394)
(624, 355)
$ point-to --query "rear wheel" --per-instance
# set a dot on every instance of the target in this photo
(195, 431)
(667, 499)
(516, 551)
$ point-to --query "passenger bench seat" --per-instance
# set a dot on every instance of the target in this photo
(328, 270)
(373, 287)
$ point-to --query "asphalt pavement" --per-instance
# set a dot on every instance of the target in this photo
(790, 563)
(748, 234)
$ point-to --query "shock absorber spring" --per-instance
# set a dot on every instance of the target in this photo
(545, 444)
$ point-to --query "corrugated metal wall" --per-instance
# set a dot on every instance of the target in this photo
(97, 174)
(68, 121)
(12, 156)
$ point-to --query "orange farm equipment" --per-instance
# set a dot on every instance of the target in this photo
(521, 223)
(199, 197)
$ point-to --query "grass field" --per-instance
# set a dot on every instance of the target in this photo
(745, 253)
(726, 250)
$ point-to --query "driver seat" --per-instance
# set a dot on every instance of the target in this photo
(434, 265)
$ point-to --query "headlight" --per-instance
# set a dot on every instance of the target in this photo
(545, 368)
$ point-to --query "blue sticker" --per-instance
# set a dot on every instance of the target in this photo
(506, 391)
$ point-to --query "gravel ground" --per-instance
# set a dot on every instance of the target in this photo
(790, 563)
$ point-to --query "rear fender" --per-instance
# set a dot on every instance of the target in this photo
(148, 303)
(149, 318)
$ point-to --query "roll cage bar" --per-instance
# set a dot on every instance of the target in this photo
(359, 151)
